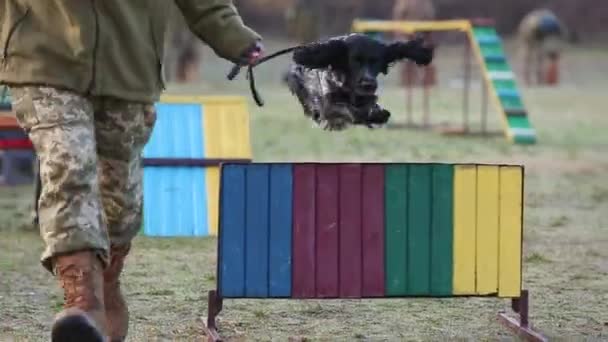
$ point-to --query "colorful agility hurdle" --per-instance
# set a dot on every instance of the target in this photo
(352, 230)
(499, 79)
(192, 136)
(17, 157)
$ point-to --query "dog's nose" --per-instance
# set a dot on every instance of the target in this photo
(369, 85)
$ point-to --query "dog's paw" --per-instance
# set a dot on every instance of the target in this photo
(379, 117)
(422, 51)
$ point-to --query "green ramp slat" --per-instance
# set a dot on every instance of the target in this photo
(515, 112)
(495, 58)
(419, 230)
(505, 84)
(484, 31)
(518, 122)
(442, 230)
(396, 229)
(524, 139)
(492, 50)
(493, 66)
(512, 103)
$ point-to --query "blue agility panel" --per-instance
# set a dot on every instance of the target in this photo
(175, 197)
(256, 231)
(256, 234)
(231, 261)
(281, 194)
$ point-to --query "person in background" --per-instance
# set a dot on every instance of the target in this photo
(185, 53)
(541, 35)
(84, 77)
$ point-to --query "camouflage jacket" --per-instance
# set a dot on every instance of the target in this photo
(107, 47)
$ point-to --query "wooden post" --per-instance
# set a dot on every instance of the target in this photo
(466, 85)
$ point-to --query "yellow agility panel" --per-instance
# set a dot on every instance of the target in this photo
(410, 26)
(465, 218)
(487, 228)
(511, 216)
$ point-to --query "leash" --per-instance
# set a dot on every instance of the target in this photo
(236, 69)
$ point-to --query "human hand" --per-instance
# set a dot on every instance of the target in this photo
(252, 54)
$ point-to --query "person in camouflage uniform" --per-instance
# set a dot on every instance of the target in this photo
(541, 35)
(415, 10)
(84, 76)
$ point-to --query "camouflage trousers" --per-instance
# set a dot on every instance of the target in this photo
(90, 167)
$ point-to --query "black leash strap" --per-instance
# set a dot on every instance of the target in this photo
(236, 69)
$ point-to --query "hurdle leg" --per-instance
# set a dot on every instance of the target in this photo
(521, 326)
(214, 307)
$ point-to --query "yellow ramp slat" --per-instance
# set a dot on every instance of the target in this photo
(465, 212)
(487, 228)
(511, 215)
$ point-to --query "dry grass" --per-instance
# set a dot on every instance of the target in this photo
(566, 229)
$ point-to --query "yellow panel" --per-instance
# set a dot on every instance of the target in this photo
(227, 135)
(511, 211)
(212, 176)
(410, 26)
(465, 201)
(487, 228)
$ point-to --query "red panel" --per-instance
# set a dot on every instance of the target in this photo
(303, 281)
(373, 230)
(350, 231)
(327, 231)
(15, 144)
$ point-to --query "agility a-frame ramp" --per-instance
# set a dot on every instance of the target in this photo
(498, 75)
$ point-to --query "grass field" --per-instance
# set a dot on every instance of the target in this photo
(566, 225)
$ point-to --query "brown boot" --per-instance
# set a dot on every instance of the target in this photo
(117, 313)
(83, 318)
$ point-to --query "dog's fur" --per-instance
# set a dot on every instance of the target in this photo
(336, 80)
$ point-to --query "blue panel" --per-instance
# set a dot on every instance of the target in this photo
(488, 40)
(12, 134)
(175, 201)
(232, 232)
(508, 93)
(256, 236)
(281, 199)
(175, 198)
(177, 133)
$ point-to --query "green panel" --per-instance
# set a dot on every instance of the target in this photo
(511, 102)
(396, 229)
(518, 122)
(484, 31)
(442, 230)
(505, 84)
(419, 230)
(501, 66)
(489, 50)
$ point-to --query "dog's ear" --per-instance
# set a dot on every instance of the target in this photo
(321, 55)
(415, 50)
